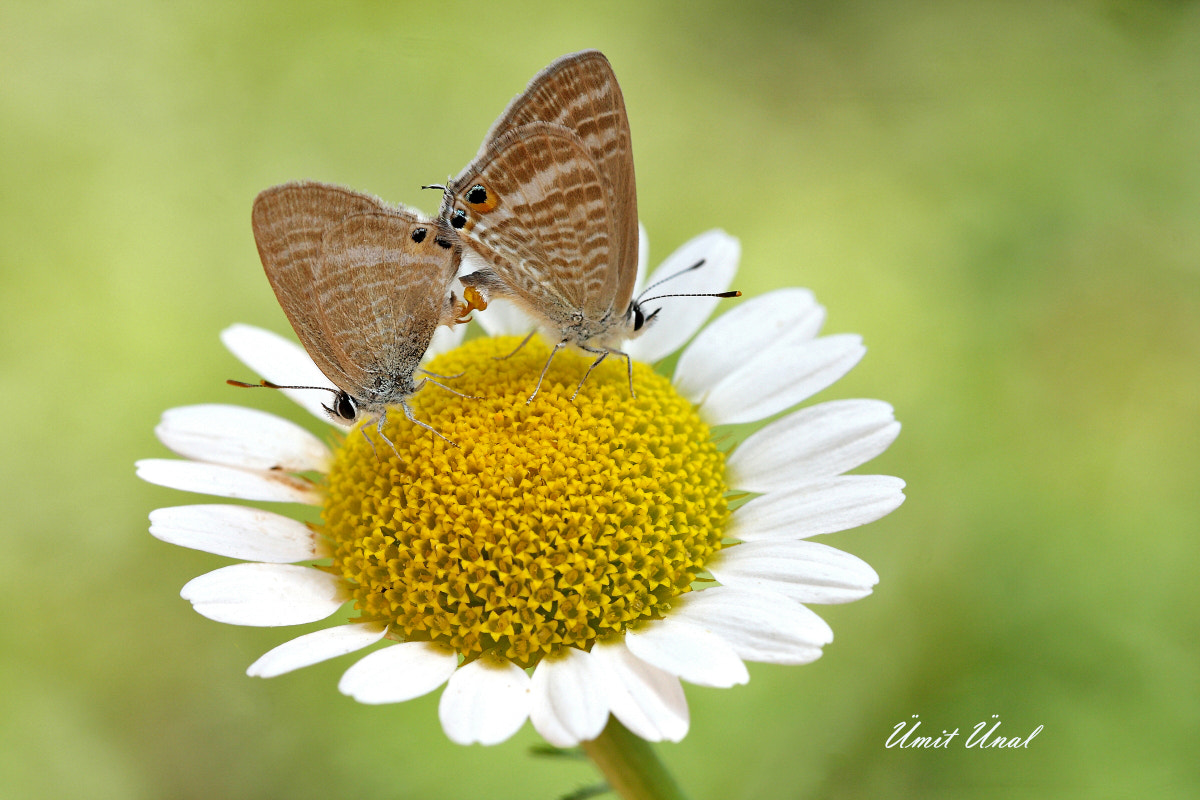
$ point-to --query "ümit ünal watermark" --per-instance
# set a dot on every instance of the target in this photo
(981, 738)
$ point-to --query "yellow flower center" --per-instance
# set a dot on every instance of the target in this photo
(551, 525)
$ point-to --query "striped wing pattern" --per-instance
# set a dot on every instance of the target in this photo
(288, 222)
(551, 230)
(381, 294)
(554, 272)
(581, 93)
(362, 296)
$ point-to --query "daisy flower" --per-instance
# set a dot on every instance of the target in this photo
(568, 560)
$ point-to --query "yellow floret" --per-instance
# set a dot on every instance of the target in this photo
(550, 525)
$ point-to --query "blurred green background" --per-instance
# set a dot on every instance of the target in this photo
(1003, 198)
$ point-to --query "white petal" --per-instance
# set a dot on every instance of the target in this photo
(569, 704)
(238, 532)
(643, 257)
(215, 479)
(648, 701)
(681, 317)
(687, 650)
(807, 572)
(265, 595)
(313, 648)
(760, 626)
(504, 318)
(399, 672)
(471, 262)
(281, 361)
(241, 437)
(816, 442)
(486, 701)
(780, 377)
(835, 504)
(775, 318)
(444, 340)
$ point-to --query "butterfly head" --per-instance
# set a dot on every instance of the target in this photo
(637, 319)
(344, 407)
(462, 196)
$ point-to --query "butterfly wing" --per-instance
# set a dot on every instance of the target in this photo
(542, 222)
(381, 286)
(580, 93)
(289, 222)
(340, 263)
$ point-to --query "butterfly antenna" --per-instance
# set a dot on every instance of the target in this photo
(641, 298)
(733, 293)
(265, 384)
(683, 271)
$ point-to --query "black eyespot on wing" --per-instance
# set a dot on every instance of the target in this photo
(418, 235)
(443, 243)
(458, 219)
(481, 199)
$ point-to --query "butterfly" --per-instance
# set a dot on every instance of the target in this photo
(550, 205)
(364, 285)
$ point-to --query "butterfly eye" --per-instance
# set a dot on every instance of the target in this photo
(640, 320)
(458, 219)
(344, 407)
(480, 199)
(418, 235)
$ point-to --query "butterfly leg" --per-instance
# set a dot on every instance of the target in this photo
(448, 388)
(363, 431)
(444, 377)
(629, 369)
(379, 427)
(408, 413)
(603, 354)
(524, 342)
(542, 377)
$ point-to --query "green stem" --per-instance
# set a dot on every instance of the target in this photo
(630, 765)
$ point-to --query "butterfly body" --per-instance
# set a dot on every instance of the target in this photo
(364, 285)
(549, 204)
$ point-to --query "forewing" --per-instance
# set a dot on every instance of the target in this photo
(289, 222)
(580, 92)
(544, 224)
(381, 284)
